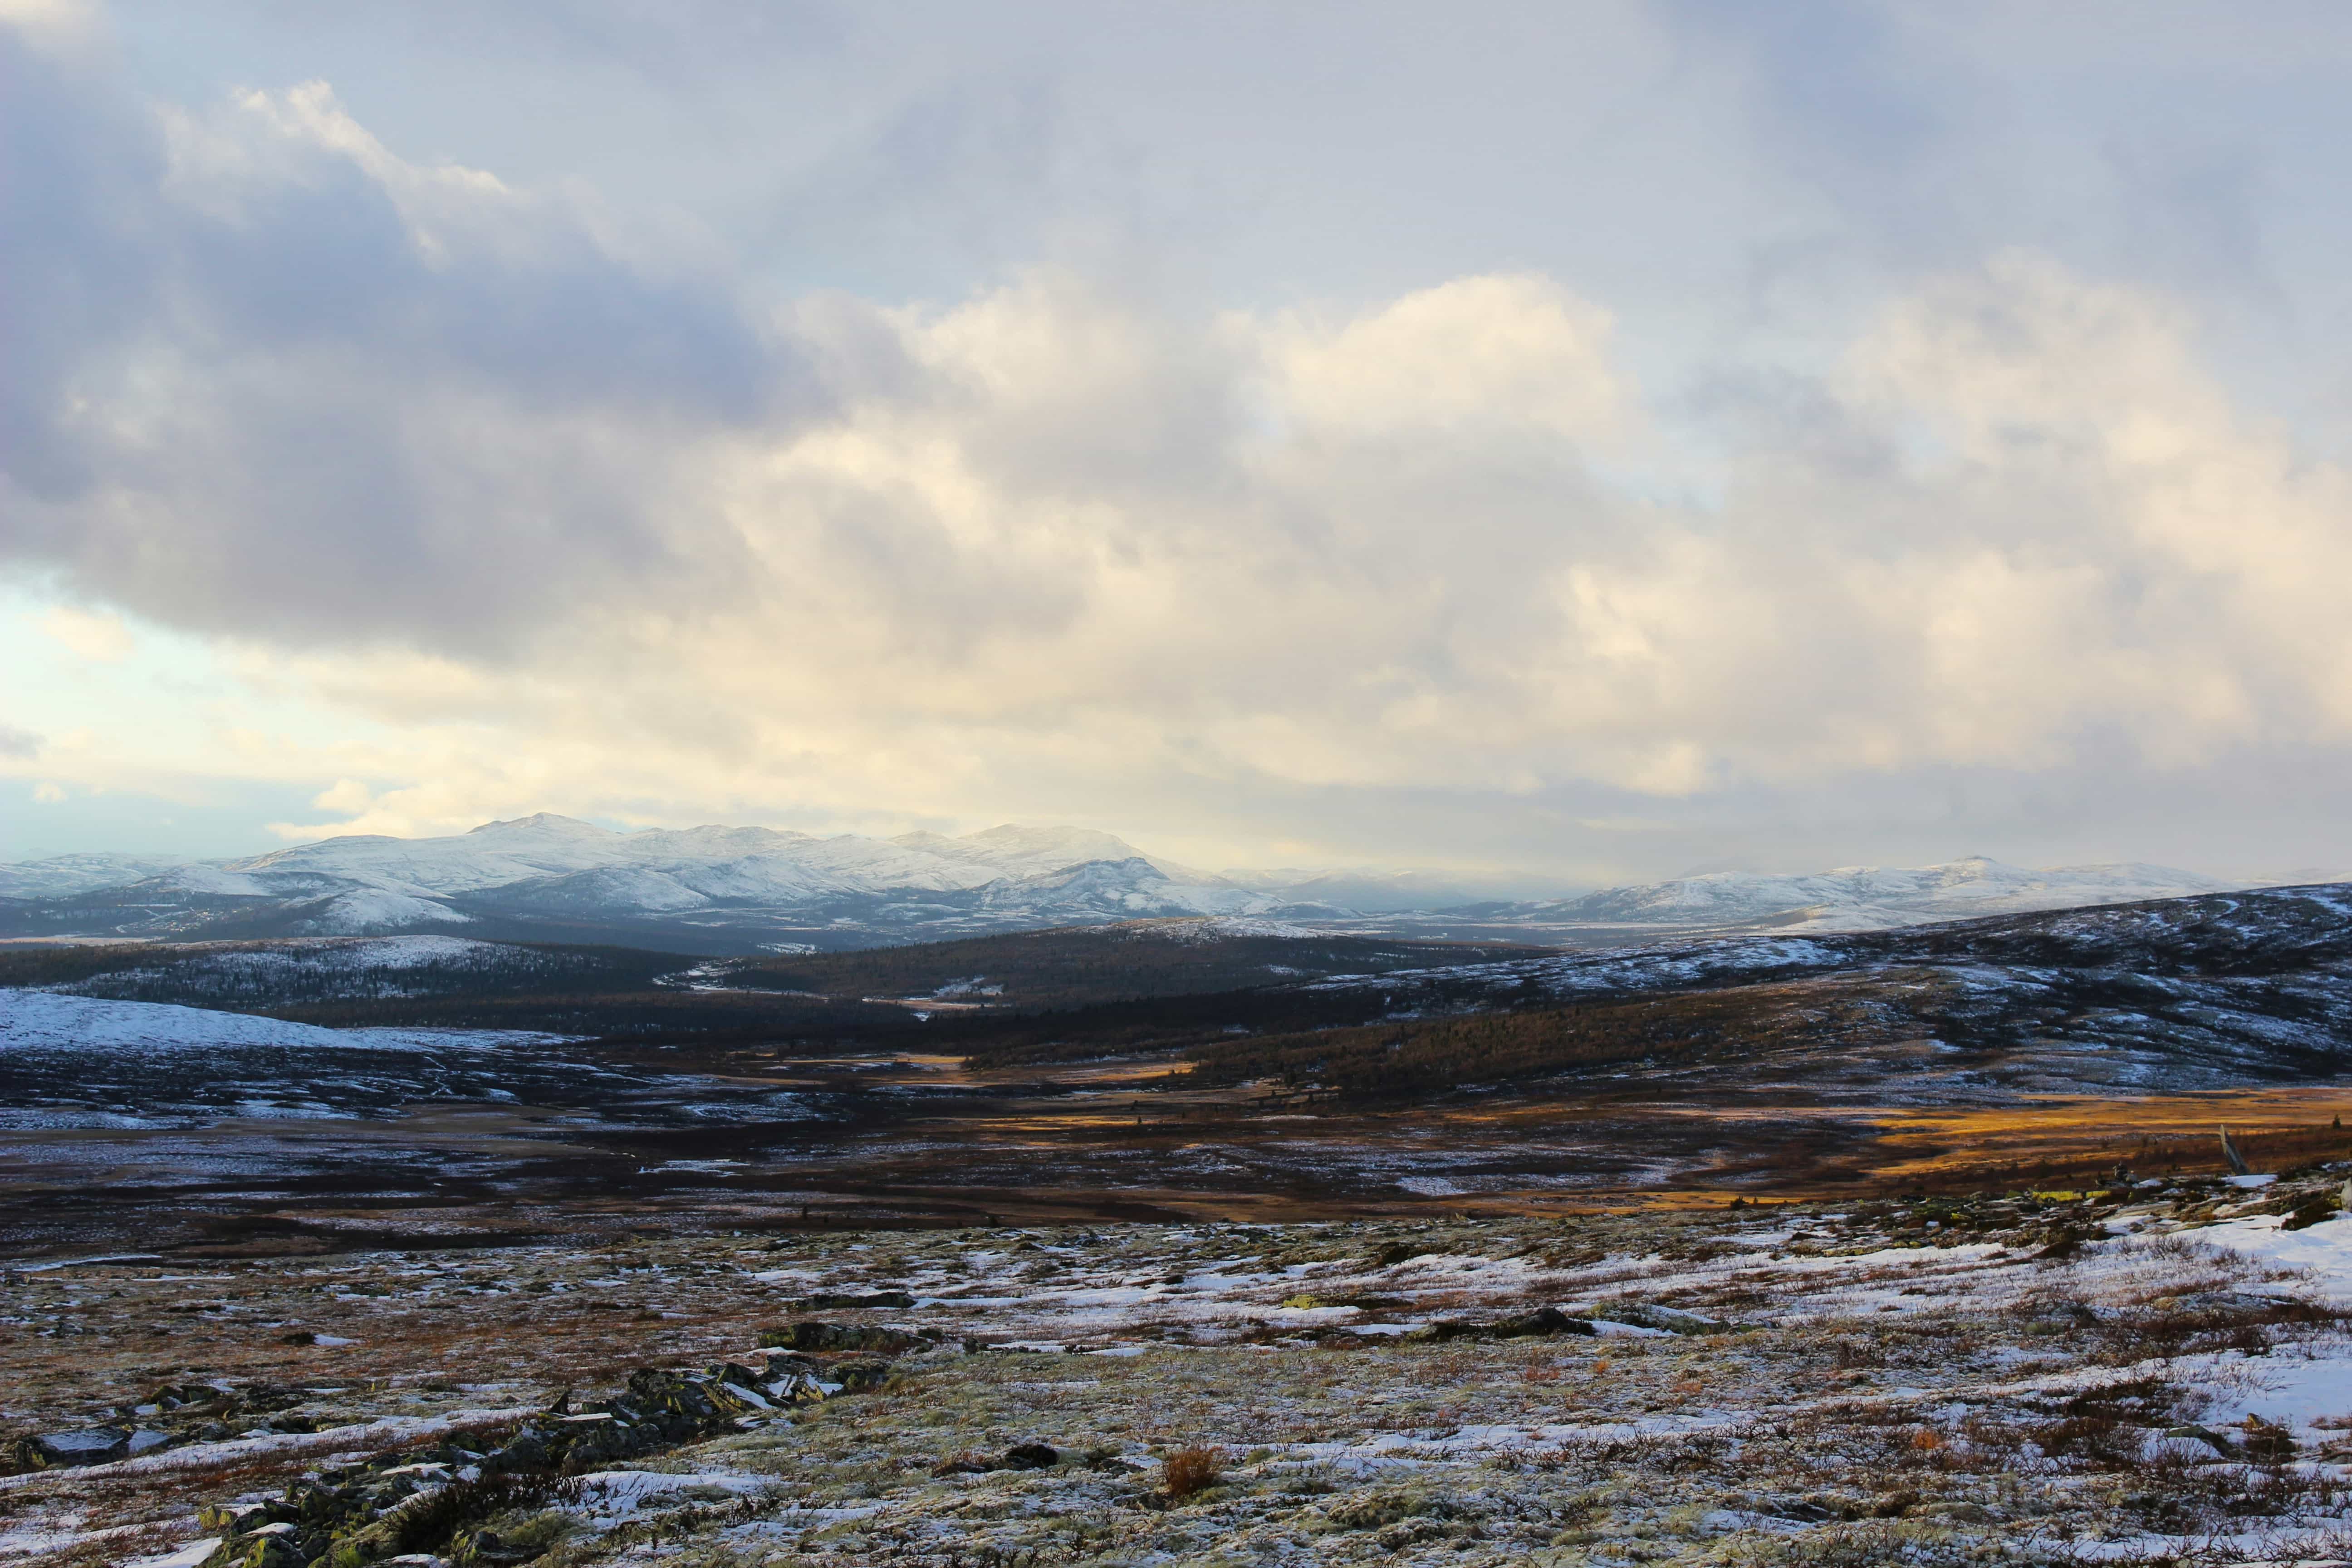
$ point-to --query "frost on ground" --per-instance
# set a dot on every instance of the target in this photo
(2155, 1373)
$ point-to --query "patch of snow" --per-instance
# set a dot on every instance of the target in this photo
(48, 1021)
(1429, 1186)
(365, 910)
(2322, 1253)
(192, 1556)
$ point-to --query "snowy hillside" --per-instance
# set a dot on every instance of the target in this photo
(717, 888)
(703, 889)
(47, 1021)
(62, 876)
(1864, 897)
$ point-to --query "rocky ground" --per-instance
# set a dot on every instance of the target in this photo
(2150, 1373)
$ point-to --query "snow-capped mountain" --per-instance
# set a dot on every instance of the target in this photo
(1860, 897)
(63, 876)
(721, 889)
(561, 879)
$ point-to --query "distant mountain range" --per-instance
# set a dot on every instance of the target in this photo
(739, 890)
(1851, 898)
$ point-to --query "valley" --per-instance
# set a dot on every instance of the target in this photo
(1133, 1241)
(422, 1088)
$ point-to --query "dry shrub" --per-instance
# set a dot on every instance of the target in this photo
(1926, 1439)
(1190, 1470)
(1853, 1353)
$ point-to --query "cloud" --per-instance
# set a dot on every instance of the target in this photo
(1069, 548)
(560, 521)
(18, 744)
(266, 374)
(100, 638)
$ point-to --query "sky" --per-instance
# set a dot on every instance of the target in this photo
(1557, 444)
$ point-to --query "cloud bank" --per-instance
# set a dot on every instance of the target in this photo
(571, 519)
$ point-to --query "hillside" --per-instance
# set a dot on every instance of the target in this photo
(747, 891)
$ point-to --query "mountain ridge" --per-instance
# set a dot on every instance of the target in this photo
(730, 888)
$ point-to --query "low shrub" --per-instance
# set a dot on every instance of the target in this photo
(1190, 1470)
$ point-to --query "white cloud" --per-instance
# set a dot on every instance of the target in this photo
(100, 638)
(556, 529)
(1068, 552)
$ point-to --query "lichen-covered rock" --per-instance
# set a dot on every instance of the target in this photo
(1672, 1319)
(838, 1301)
(862, 1376)
(811, 1335)
(389, 1506)
(1543, 1322)
(55, 1451)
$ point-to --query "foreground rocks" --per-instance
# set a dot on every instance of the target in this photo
(1894, 1379)
(416, 1501)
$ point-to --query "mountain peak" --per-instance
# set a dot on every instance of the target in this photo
(545, 824)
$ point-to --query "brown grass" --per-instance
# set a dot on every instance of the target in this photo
(1190, 1470)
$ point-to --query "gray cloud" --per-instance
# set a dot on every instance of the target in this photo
(272, 379)
(1608, 446)
(22, 744)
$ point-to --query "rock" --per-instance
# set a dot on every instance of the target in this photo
(359, 1514)
(862, 1376)
(2221, 1303)
(1386, 1506)
(2310, 1212)
(814, 1336)
(178, 1397)
(1543, 1322)
(92, 1446)
(2060, 1318)
(2064, 1242)
(1031, 1457)
(1672, 1319)
(227, 1517)
(2190, 1433)
(796, 1388)
(269, 1551)
(835, 1303)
